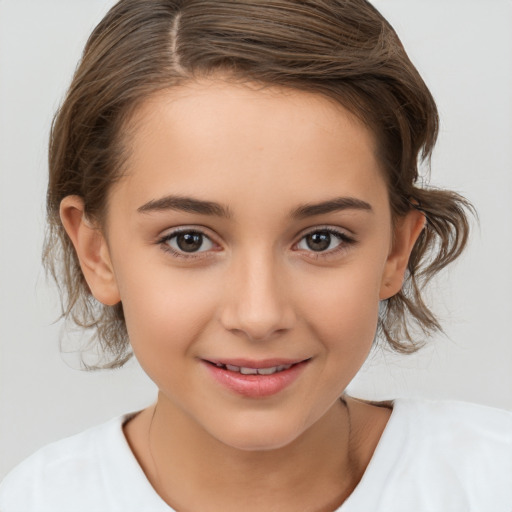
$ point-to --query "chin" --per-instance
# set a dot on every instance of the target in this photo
(259, 436)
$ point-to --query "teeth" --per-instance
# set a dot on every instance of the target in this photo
(267, 371)
(248, 371)
(254, 371)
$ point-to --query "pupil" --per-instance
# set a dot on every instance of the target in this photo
(318, 241)
(189, 242)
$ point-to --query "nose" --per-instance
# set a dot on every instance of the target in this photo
(257, 301)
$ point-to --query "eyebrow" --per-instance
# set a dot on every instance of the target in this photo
(191, 205)
(330, 206)
(185, 204)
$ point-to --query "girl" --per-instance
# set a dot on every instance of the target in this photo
(234, 197)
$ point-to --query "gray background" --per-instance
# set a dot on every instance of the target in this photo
(463, 49)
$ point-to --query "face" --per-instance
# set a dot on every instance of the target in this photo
(250, 243)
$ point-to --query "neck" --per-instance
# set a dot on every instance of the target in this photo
(316, 472)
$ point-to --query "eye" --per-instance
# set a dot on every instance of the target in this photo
(188, 242)
(323, 240)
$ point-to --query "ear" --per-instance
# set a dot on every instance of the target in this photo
(91, 249)
(407, 230)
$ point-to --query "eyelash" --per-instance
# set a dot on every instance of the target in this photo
(345, 242)
(164, 243)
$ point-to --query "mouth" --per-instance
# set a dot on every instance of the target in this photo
(247, 370)
(256, 379)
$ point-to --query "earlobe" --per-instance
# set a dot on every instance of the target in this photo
(407, 231)
(91, 249)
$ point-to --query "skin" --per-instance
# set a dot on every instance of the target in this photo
(254, 290)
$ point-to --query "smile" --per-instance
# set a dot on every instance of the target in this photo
(253, 379)
(254, 371)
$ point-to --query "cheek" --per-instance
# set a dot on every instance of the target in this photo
(344, 311)
(342, 315)
(165, 312)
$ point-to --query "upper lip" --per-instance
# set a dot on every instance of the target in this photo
(252, 363)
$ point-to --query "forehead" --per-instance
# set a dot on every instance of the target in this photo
(222, 138)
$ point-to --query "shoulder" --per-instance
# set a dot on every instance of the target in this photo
(455, 423)
(452, 410)
(455, 454)
(439, 455)
(78, 473)
(464, 436)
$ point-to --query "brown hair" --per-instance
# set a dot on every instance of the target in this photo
(343, 49)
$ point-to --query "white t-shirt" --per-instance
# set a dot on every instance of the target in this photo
(432, 457)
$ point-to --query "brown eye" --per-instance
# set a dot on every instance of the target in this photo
(318, 241)
(189, 242)
(321, 241)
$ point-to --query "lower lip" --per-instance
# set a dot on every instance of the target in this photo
(256, 386)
